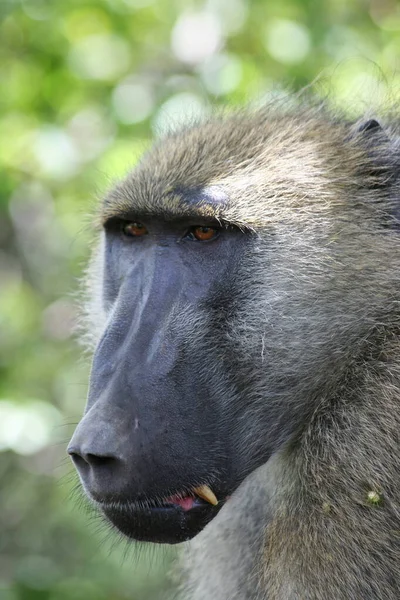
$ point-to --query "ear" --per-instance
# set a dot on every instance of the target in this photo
(370, 126)
(373, 134)
(371, 131)
(378, 172)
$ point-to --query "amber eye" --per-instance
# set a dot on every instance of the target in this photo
(203, 234)
(134, 229)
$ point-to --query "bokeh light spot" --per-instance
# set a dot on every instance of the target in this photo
(221, 74)
(287, 41)
(196, 37)
(133, 101)
(27, 428)
(231, 13)
(55, 152)
(103, 57)
(181, 109)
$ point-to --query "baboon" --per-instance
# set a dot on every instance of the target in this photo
(244, 310)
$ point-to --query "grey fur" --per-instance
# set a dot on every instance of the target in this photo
(229, 553)
(315, 334)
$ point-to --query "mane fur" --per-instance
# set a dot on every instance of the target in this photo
(316, 320)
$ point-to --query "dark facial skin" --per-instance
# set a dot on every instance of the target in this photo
(154, 425)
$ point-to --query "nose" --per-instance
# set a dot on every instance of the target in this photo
(99, 451)
(85, 459)
(102, 473)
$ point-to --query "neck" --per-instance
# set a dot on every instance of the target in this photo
(320, 519)
(224, 560)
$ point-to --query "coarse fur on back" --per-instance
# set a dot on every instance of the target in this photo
(310, 331)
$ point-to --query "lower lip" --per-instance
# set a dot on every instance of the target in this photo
(168, 524)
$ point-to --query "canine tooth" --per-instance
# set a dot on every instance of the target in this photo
(207, 494)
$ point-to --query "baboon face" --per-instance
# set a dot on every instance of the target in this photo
(156, 447)
(226, 291)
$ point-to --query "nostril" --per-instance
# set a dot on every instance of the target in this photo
(77, 459)
(82, 459)
(96, 460)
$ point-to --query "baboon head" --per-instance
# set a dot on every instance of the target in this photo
(227, 292)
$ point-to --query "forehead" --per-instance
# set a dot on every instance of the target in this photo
(182, 173)
(244, 170)
(129, 201)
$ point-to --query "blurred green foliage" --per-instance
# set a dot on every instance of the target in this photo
(84, 86)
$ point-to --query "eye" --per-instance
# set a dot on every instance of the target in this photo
(202, 233)
(134, 229)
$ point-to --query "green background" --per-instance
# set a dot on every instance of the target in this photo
(84, 86)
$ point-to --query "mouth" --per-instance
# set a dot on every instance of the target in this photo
(176, 518)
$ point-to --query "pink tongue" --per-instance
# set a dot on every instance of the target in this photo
(185, 503)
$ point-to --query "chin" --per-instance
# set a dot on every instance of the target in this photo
(171, 522)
